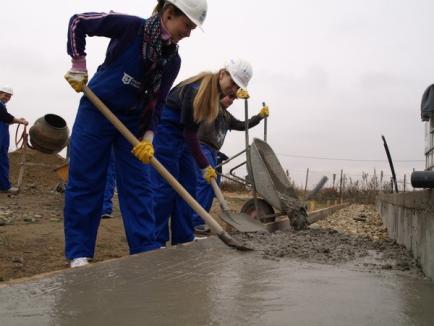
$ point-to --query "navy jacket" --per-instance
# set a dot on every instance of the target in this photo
(122, 30)
(5, 116)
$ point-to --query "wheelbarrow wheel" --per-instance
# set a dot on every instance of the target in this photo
(61, 187)
(264, 208)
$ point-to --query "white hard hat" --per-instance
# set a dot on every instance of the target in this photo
(241, 71)
(7, 89)
(194, 9)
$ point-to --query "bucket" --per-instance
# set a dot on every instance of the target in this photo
(49, 134)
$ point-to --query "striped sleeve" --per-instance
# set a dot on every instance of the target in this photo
(111, 25)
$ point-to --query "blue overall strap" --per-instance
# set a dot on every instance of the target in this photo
(4, 148)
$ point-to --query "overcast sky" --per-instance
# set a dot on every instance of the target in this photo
(336, 74)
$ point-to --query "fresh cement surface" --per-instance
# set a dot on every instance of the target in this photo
(207, 283)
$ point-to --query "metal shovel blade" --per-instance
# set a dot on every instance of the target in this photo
(242, 222)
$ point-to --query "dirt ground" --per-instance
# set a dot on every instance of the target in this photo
(31, 231)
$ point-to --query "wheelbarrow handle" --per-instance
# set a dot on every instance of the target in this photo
(215, 227)
(265, 125)
(246, 122)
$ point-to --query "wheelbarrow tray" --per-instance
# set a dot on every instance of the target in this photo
(268, 176)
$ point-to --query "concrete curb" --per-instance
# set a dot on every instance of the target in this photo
(409, 218)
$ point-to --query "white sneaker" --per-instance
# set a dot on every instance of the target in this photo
(78, 262)
(13, 190)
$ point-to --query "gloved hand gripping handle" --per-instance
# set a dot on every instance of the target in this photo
(214, 226)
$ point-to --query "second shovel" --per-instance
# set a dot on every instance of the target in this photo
(240, 221)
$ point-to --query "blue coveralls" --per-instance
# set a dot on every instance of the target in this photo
(4, 148)
(93, 138)
(107, 205)
(172, 151)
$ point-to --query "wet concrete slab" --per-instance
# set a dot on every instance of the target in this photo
(207, 283)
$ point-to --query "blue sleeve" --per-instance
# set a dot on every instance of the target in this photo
(111, 25)
(4, 115)
(170, 73)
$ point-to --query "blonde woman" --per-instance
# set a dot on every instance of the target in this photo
(192, 102)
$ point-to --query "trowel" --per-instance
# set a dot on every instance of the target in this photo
(240, 221)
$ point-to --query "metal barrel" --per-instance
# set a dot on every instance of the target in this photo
(422, 179)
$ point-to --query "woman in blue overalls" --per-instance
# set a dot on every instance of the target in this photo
(141, 65)
(211, 137)
(192, 102)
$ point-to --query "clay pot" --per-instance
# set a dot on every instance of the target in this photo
(49, 134)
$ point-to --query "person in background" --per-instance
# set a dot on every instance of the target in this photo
(6, 119)
(191, 103)
(109, 191)
(140, 66)
(212, 137)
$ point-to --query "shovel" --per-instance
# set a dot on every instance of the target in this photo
(240, 221)
(214, 226)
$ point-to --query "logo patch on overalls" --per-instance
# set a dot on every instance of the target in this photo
(129, 80)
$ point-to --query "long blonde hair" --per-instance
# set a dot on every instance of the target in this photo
(206, 103)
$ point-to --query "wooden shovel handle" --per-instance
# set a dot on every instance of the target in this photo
(215, 227)
(219, 195)
(110, 116)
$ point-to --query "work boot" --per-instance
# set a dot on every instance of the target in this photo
(78, 262)
(13, 190)
(106, 215)
(202, 229)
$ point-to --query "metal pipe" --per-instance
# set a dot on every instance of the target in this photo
(317, 188)
(422, 179)
(235, 179)
(389, 158)
(230, 159)
(236, 167)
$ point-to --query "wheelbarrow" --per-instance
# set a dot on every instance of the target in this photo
(271, 188)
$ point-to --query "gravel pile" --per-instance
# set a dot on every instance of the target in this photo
(352, 235)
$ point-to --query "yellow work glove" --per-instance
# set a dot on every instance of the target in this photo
(144, 151)
(77, 79)
(242, 94)
(265, 112)
(209, 173)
